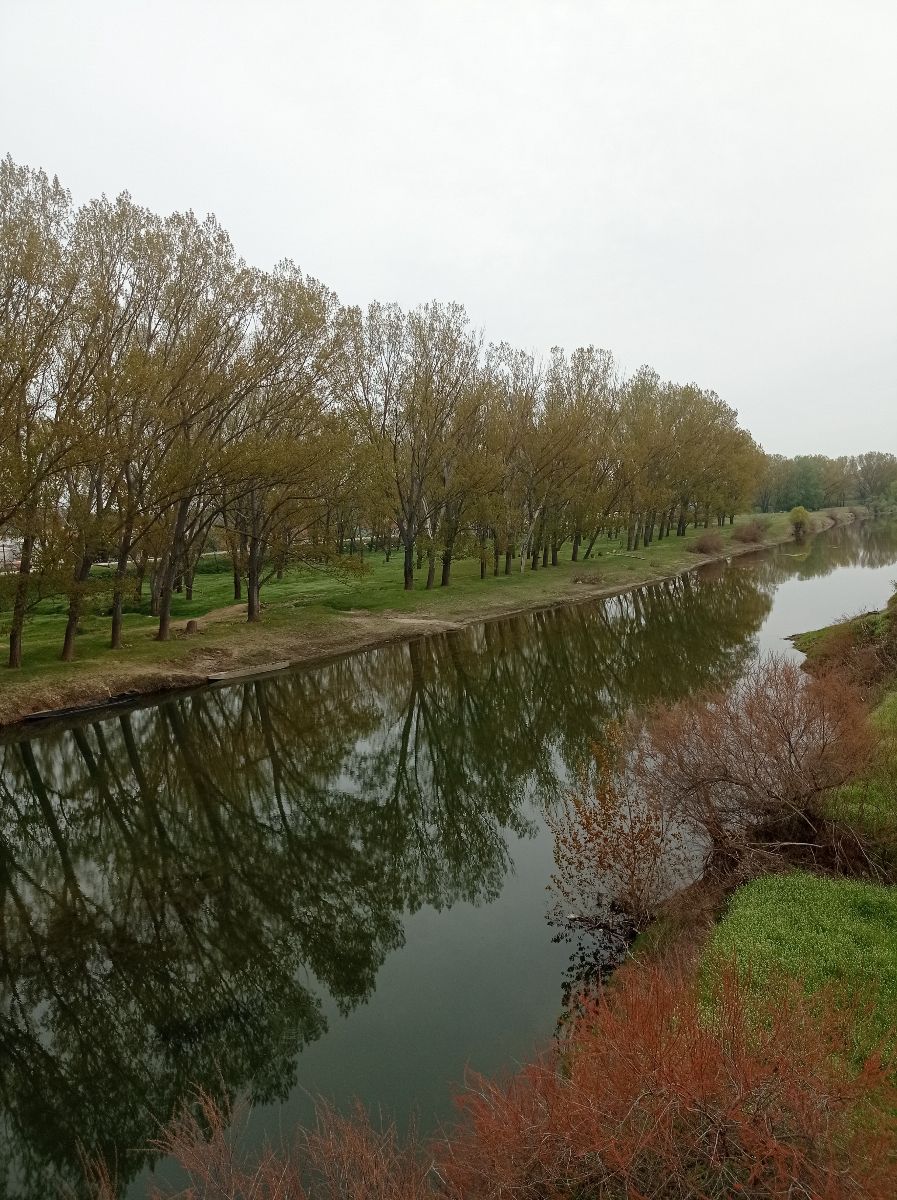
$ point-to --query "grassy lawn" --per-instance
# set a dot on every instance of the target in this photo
(820, 931)
(307, 594)
(305, 611)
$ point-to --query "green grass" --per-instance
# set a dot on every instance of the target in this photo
(824, 932)
(306, 599)
(870, 803)
(867, 627)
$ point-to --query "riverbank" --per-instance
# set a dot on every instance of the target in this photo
(828, 926)
(682, 1076)
(311, 616)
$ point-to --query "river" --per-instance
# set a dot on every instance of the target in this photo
(334, 880)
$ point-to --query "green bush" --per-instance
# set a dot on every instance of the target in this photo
(800, 521)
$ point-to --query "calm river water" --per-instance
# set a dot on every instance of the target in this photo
(334, 880)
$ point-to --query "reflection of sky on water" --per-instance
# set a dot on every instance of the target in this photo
(802, 604)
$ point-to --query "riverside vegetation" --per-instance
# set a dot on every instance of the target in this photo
(161, 401)
(313, 612)
(746, 1047)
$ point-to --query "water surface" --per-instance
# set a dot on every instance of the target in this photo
(334, 880)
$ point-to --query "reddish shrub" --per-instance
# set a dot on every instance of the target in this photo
(341, 1158)
(654, 1098)
(760, 753)
(651, 1093)
(611, 840)
(863, 648)
(707, 543)
(752, 532)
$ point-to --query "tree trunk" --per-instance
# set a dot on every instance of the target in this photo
(253, 583)
(140, 577)
(158, 574)
(409, 565)
(20, 603)
(176, 554)
(446, 565)
(252, 599)
(652, 525)
(238, 583)
(76, 602)
(431, 567)
(577, 538)
(120, 568)
(509, 559)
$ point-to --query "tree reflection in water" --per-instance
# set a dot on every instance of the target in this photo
(183, 883)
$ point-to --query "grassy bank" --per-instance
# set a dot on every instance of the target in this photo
(824, 931)
(314, 614)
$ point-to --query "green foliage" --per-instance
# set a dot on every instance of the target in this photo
(821, 931)
(815, 481)
(800, 520)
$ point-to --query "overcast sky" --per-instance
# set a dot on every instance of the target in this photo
(708, 187)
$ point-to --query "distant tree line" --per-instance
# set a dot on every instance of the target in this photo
(157, 392)
(815, 481)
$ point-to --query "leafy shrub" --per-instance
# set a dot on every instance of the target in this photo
(800, 521)
(707, 543)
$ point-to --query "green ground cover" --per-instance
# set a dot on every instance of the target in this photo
(822, 931)
(307, 598)
(827, 931)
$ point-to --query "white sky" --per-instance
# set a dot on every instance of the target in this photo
(706, 186)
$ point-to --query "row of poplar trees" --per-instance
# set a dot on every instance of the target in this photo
(157, 394)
